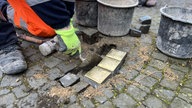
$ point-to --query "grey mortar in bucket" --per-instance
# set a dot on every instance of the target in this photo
(115, 16)
(175, 32)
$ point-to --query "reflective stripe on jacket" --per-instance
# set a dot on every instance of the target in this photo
(32, 16)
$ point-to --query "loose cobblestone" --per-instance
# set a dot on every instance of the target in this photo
(69, 79)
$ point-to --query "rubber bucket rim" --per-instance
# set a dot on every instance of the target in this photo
(172, 17)
(116, 6)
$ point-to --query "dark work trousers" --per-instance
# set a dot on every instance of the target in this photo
(7, 32)
(55, 13)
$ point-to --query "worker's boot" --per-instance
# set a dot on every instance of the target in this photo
(12, 60)
(151, 3)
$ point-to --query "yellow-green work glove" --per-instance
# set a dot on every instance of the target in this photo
(68, 41)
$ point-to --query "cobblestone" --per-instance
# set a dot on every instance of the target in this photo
(19, 91)
(146, 80)
(100, 99)
(68, 79)
(186, 96)
(29, 102)
(87, 104)
(73, 99)
(169, 83)
(157, 64)
(160, 56)
(76, 105)
(136, 92)
(1, 75)
(188, 83)
(153, 73)
(10, 81)
(129, 74)
(145, 40)
(180, 68)
(36, 83)
(124, 101)
(54, 73)
(150, 79)
(66, 67)
(79, 87)
(153, 102)
(51, 62)
(7, 99)
(108, 93)
(4, 91)
(147, 90)
(179, 103)
(34, 70)
(167, 95)
(106, 105)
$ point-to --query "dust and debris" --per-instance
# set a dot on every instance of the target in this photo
(109, 84)
(170, 74)
(91, 92)
(60, 92)
(40, 76)
(143, 57)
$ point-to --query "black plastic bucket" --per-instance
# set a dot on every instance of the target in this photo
(115, 16)
(175, 32)
(86, 12)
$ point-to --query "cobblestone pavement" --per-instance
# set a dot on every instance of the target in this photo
(148, 78)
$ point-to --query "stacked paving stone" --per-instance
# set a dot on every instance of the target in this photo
(142, 27)
(107, 67)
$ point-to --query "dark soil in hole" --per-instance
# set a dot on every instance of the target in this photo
(93, 59)
(106, 48)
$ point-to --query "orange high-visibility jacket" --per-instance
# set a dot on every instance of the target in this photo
(23, 16)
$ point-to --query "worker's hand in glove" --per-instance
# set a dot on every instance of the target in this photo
(68, 41)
